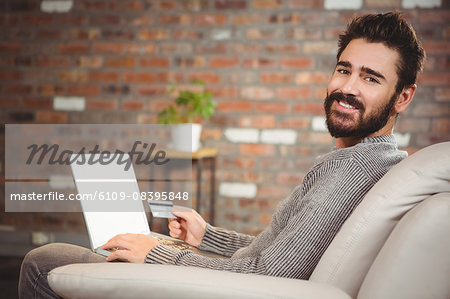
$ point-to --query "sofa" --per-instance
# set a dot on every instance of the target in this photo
(396, 244)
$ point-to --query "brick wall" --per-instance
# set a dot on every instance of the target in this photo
(267, 63)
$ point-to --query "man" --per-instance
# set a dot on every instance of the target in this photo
(378, 60)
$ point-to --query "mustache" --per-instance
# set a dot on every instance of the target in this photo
(350, 99)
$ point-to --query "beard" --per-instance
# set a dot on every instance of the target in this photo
(362, 126)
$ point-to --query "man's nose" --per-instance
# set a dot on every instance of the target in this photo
(351, 85)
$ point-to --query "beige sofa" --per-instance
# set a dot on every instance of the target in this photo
(396, 244)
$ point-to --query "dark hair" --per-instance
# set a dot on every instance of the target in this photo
(392, 30)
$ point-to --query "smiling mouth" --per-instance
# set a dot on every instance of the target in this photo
(346, 105)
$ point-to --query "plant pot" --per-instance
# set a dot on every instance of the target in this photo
(186, 137)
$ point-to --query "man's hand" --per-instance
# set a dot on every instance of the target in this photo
(131, 248)
(189, 227)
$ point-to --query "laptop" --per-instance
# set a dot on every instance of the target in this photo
(108, 193)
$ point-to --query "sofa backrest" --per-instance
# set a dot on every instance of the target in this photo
(350, 255)
(414, 263)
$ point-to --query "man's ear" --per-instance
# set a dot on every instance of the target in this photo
(405, 98)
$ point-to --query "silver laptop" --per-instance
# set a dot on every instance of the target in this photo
(108, 194)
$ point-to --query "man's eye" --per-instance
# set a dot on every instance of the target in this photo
(372, 80)
(343, 72)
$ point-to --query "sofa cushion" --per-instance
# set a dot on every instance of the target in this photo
(415, 261)
(350, 255)
(124, 280)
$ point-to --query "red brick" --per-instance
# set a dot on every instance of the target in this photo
(275, 108)
(257, 149)
(309, 108)
(139, 48)
(437, 47)
(211, 134)
(37, 20)
(10, 75)
(152, 90)
(223, 92)
(302, 4)
(268, 4)
(294, 123)
(10, 47)
(294, 93)
(51, 117)
(50, 89)
(289, 178)
(138, 77)
(257, 93)
(107, 48)
(83, 90)
(170, 77)
(296, 63)
(147, 34)
(140, 20)
(283, 18)
(130, 5)
(239, 48)
(115, 34)
(315, 138)
(73, 48)
(101, 104)
(120, 62)
(145, 118)
(257, 33)
(90, 61)
(435, 16)
(9, 102)
(247, 19)
(175, 48)
(68, 19)
(101, 76)
(259, 121)
(38, 103)
(50, 34)
(282, 49)
(275, 78)
(441, 126)
(155, 62)
(158, 104)
(210, 19)
(258, 63)
(101, 20)
(184, 20)
(308, 78)
(223, 62)
(308, 33)
(433, 110)
(54, 61)
(234, 106)
(190, 62)
(413, 125)
(132, 105)
(273, 191)
(206, 77)
(18, 89)
(239, 162)
(72, 76)
(219, 48)
(230, 4)
(187, 34)
(443, 94)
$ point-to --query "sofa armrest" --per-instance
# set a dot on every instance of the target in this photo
(124, 280)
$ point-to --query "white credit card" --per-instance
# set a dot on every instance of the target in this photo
(161, 209)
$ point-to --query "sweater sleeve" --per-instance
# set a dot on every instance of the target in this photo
(297, 247)
(224, 242)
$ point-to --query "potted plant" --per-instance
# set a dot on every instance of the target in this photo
(186, 115)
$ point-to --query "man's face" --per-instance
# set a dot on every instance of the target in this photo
(361, 93)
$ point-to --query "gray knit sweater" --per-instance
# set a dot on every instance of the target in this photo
(304, 224)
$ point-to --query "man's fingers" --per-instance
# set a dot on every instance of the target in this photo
(122, 255)
(116, 242)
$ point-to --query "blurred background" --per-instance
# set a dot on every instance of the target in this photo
(266, 62)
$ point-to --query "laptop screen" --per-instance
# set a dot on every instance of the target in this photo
(110, 200)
